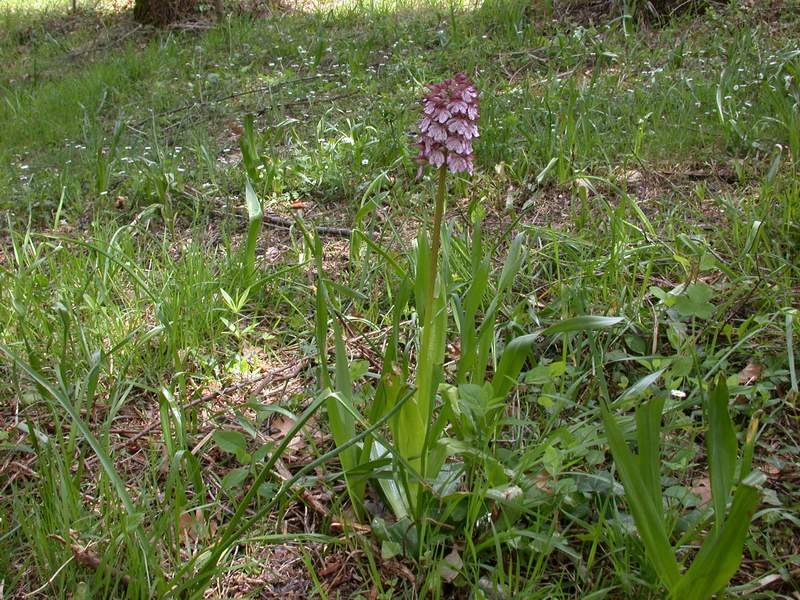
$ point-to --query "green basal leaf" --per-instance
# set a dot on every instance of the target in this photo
(646, 514)
(721, 553)
(341, 410)
(232, 442)
(721, 448)
(694, 302)
(255, 217)
(584, 323)
(648, 433)
(511, 362)
(512, 264)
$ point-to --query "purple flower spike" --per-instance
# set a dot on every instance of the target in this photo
(449, 123)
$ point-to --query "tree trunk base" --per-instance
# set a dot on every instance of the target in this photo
(161, 12)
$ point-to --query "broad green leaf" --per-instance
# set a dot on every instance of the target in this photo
(694, 302)
(342, 421)
(721, 448)
(234, 478)
(645, 513)
(485, 341)
(584, 323)
(511, 362)
(422, 273)
(542, 542)
(321, 328)
(543, 173)
(417, 414)
(512, 263)
(390, 487)
(476, 251)
(721, 553)
(233, 442)
(648, 434)
(639, 387)
(748, 448)
(551, 460)
(341, 410)
(752, 237)
(390, 549)
(467, 325)
(255, 217)
(791, 315)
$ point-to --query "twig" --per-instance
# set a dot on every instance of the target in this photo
(307, 100)
(283, 473)
(52, 578)
(285, 223)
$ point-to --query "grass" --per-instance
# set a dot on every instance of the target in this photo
(651, 172)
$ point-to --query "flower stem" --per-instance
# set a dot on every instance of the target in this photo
(438, 215)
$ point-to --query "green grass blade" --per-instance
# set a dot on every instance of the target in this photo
(64, 402)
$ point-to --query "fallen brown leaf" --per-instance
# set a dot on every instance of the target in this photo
(192, 525)
(750, 374)
(542, 481)
(281, 426)
(702, 488)
(450, 566)
(330, 568)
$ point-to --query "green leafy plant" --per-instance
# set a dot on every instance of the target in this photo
(721, 551)
(469, 408)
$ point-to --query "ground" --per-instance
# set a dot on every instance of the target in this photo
(146, 376)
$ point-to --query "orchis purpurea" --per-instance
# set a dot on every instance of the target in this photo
(449, 124)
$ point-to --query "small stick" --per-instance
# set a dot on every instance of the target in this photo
(285, 223)
(301, 101)
(41, 588)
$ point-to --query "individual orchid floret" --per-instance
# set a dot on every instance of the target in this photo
(449, 124)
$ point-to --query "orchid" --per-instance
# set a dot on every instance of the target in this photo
(448, 125)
